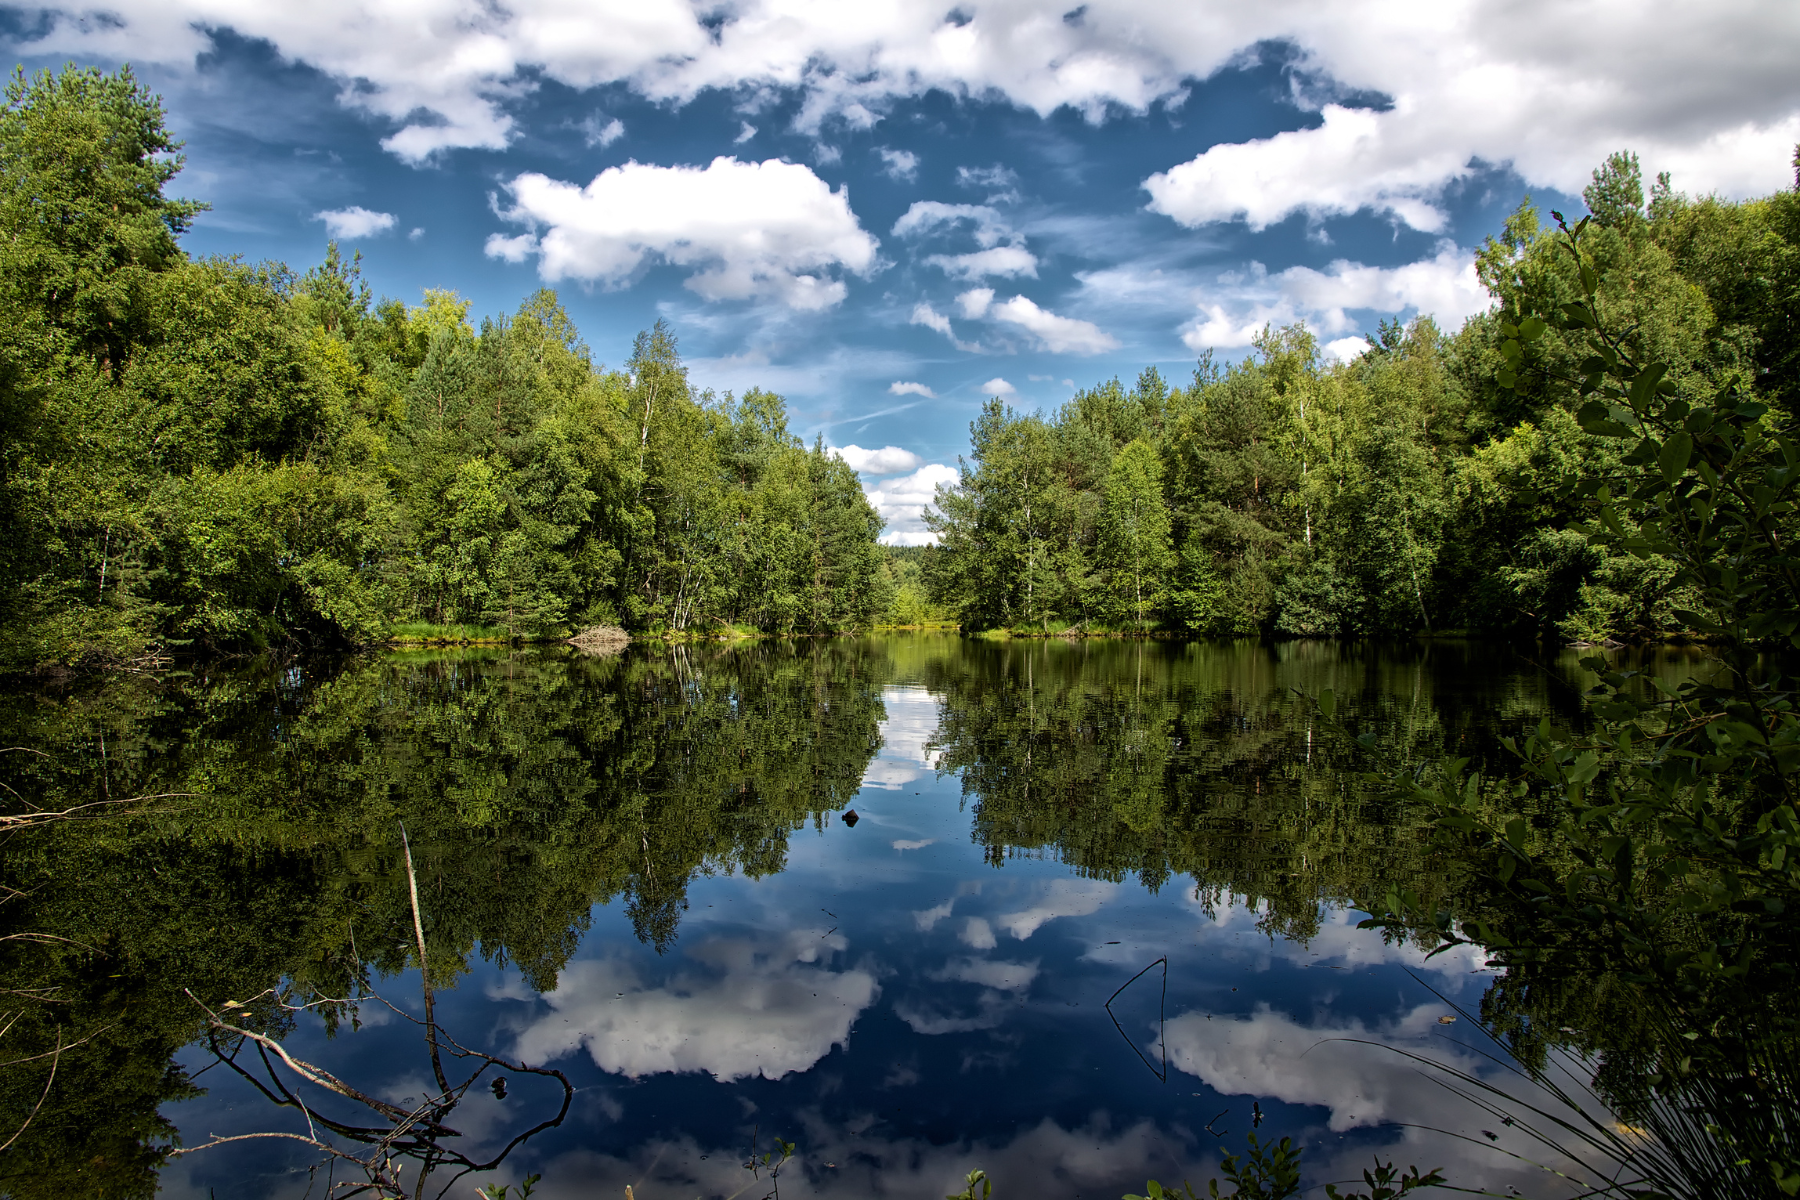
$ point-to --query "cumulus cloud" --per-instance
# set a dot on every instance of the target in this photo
(1001, 262)
(998, 387)
(977, 934)
(1059, 335)
(906, 387)
(996, 176)
(1444, 286)
(1705, 90)
(974, 303)
(1270, 1054)
(902, 502)
(355, 222)
(744, 1007)
(931, 318)
(1063, 898)
(597, 131)
(994, 973)
(906, 732)
(1042, 1160)
(1002, 253)
(769, 229)
(928, 918)
(889, 460)
(927, 216)
(899, 164)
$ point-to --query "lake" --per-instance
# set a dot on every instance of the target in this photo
(1092, 922)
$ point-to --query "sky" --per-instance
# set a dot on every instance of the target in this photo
(889, 210)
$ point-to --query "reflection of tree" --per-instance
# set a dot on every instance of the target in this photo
(534, 786)
(1157, 759)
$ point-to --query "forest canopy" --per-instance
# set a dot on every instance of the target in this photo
(221, 456)
(1434, 483)
(213, 455)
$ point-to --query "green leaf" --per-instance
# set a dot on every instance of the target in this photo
(1675, 454)
(1644, 386)
(1327, 703)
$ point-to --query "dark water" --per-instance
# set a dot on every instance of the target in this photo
(638, 871)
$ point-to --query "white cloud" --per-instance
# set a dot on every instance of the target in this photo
(1444, 286)
(899, 164)
(977, 934)
(1003, 262)
(1217, 329)
(596, 131)
(906, 387)
(906, 732)
(998, 387)
(996, 176)
(417, 233)
(355, 222)
(902, 502)
(1040, 1160)
(929, 917)
(926, 216)
(1347, 349)
(912, 843)
(511, 249)
(1059, 335)
(752, 229)
(1705, 90)
(889, 460)
(745, 132)
(998, 974)
(1063, 898)
(931, 318)
(975, 302)
(764, 1007)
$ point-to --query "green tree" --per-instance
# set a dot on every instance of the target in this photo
(1134, 534)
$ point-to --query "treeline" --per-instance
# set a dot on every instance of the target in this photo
(225, 456)
(1413, 489)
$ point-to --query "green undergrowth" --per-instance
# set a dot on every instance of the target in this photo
(425, 631)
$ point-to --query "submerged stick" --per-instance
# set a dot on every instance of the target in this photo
(412, 887)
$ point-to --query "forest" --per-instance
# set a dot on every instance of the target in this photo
(199, 456)
(208, 455)
(1432, 485)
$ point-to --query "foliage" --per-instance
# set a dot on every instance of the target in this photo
(1664, 860)
(207, 456)
(1271, 1171)
(534, 785)
(1406, 491)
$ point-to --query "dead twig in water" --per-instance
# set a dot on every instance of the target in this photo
(418, 1133)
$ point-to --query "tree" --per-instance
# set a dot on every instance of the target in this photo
(1134, 534)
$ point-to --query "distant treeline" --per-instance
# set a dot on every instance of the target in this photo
(223, 456)
(1404, 491)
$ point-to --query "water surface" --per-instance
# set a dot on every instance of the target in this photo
(640, 871)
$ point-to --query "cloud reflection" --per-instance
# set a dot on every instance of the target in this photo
(1063, 898)
(855, 1159)
(739, 1007)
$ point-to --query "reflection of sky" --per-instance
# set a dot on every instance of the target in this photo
(911, 716)
(904, 1012)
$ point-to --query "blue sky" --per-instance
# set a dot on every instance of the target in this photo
(887, 212)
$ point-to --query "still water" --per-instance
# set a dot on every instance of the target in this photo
(641, 871)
